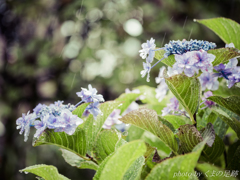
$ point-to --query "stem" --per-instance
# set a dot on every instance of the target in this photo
(195, 119)
(91, 158)
(225, 158)
(157, 62)
(78, 103)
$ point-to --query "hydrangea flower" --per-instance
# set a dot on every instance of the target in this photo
(185, 63)
(112, 119)
(181, 47)
(93, 109)
(90, 95)
(208, 103)
(41, 125)
(146, 70)
(235, 78)
(160, 75)
(70, 122)
(147, 47)
(172, 107)
(161, 90)
(203, 60)
(24, 123)
(208, 81)
(223, 71)
(56, 116)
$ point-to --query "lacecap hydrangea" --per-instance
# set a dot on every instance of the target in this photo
(58, 116)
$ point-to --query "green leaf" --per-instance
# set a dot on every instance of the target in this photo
(187, 91)
(189, 137)
(235, 161)
(134, 171)
(76, 161)
(182, 163)
(169, 61)
(212, 153)
(126, 99)
(80, 109)
(134, 133)
(231, 151)
(105, 144)
(93, 126)
(122, 159)
(149, 94)
(45, 171)
(176, 121)
(232, 122)
(154, 141)
(148, 120)
(101, 167)
(75, 143)
(208, 170)
(223, 55)
(232, 103)
(220, 127)
(212, 117)
(227, 29)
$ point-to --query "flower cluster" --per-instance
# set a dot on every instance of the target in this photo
(113, 118)
(230, 71)
(187, 61)
(172, 108)
(208, 103)
(56, 116)
(90, 95)
(162, 88)
(181, 47)
(147, 52)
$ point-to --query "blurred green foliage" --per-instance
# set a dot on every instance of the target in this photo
(49, 49)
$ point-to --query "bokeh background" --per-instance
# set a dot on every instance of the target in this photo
(49, 49)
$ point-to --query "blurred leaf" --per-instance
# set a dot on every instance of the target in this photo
(220, 127)
(227, 29)
(135, 169)
(134, 133)
(45, 171)
(148, 120)
(232, 122)
(122, 159)
(169, 61)
(235, 160)
(80, 109)
(231, 151)
(155, 142)
(184, 164)
(223, 55)
(176, 121)
(149, 93)
(126, 99)
(105, 144)
(208, 169)
(232, 103)
(101, 167)
(75, 160)
(211, 118)
(75, 143)
(93, 126)
(187, 91)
